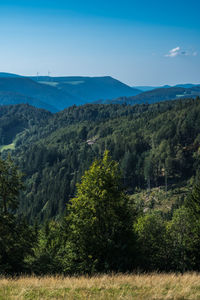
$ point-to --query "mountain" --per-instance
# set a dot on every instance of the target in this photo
(16, 119)
(158, 95)
(8, 75)
(149, 88)
(57, 93)
(9, 98)
(54, 150)
(32, 92)
(145, 88)
(187, 85)
(89, 89)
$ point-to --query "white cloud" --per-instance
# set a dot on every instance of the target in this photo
(178, 51)
(173, 52)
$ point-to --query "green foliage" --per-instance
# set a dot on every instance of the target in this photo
(193, 200)
(150, 232)
(16, 237)
(45, 257)
(16, 242)
(10, 185)
(98, 222)
(155, 145)
(183, 241)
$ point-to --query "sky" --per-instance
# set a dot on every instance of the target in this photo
(139, 42)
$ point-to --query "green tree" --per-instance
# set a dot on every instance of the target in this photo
(193, 200)
(99, 225)
(10, 185)
(150, 232)
(183, 241)
(45, 258)
(16, 237)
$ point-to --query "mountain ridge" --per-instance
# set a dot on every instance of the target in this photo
(57, 93)
(157, 95)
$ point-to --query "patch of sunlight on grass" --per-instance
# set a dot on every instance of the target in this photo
(7, 147)
(51, 83)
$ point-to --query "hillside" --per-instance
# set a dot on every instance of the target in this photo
(12, 98)
(156, 145)
(15, 119)
(149, 88)
(57, 93)
(89, 89)
(7, 75)
(158, 95)
(40, 95)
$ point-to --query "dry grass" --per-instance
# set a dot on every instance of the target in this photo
(146, 286)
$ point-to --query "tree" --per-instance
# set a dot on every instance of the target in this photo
(16, 237)
(16, 241)
(10, 185)
(193, 200)
(99, 225)
(183, 241)
(150, 233)
(45, 258)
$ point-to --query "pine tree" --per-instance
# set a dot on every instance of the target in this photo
(193, 200)
(10, 185)
(16, 237)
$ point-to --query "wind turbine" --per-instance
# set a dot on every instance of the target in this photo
(49, 75)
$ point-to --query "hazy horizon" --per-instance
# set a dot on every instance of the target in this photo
(137, 42)
(141, 85)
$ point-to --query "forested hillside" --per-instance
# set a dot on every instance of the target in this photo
(156, 145)
(57, 93)
(17, 119)
(159, 94)
(136, 205)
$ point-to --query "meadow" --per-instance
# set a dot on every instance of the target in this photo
(120, 286)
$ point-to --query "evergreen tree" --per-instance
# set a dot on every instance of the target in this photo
(10, 185)
(16, 237)
(193, 200)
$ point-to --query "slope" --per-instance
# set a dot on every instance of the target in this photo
(43, 95)
(155, 145)
(89, 89)
(158, 95)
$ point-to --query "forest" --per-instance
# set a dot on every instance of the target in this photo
(100, 188)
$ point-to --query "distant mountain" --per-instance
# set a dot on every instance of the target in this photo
(29, 91)
(158, 95)
(11, 98)
(187, 85)
(150, 88)
(145, 88)
(6, 75)
(89, 89)
(57, 93)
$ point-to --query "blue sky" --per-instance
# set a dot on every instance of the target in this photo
(138, 42)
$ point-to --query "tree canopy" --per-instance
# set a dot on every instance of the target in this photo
(99, 223)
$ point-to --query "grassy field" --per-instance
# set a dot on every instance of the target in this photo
(149, 286)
